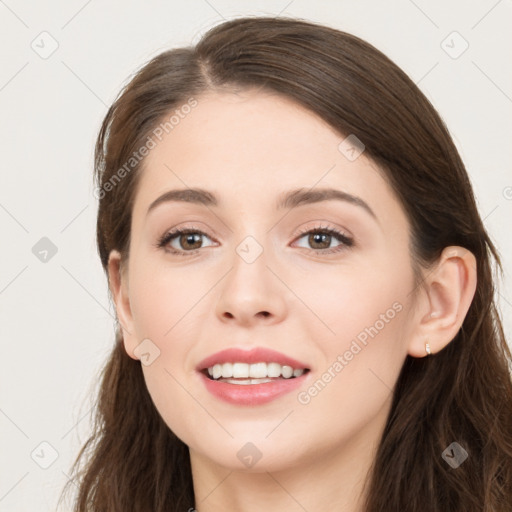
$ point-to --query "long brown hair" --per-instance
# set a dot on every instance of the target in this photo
(133, 461)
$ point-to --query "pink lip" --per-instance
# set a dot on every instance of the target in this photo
(256, 355)
(252, 394)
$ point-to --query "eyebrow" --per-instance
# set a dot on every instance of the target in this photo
(288, 200)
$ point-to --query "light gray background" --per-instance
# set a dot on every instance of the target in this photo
(56, 322)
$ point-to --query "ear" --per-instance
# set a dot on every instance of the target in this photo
(118, 284)
(446, 297)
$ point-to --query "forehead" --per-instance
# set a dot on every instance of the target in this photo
(252, 146)
(237, 126)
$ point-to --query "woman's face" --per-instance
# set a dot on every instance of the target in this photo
(251, 275)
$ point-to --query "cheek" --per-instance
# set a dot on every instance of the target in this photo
(364, 316)
(160, 314)
(362, 364)
(166, 305)
(344, 301)
(163, 300)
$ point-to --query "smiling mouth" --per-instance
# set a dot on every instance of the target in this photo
(258, 373)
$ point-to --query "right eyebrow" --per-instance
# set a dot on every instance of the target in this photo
(189, 195)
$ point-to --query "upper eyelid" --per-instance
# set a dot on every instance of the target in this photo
(303, 231)
(338, 233)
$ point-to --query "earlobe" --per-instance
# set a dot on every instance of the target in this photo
(118, 285)
(449, 289)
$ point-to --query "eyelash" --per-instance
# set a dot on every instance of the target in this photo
(346, 241)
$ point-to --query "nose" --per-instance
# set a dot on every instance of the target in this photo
(251, 293)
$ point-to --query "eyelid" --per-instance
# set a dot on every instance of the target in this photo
(172, 233)
(346, 240)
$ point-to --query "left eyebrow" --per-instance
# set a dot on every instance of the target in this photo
(288, 200)
(300, 196)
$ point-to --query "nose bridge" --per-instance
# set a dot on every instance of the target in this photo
(249, 265)
(254, 245)
(250, 289)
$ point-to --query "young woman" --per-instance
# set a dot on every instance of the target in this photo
(304, 289)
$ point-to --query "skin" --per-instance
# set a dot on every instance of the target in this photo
(248, 148)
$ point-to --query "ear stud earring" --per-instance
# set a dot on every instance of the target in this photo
(427, 349)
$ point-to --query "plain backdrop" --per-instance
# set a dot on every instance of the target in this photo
(63, 63)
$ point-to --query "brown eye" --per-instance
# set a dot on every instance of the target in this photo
(320, 239)
(189, 240)
(182, 241)
(324, 240)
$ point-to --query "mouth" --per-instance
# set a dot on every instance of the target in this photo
(243, 384)
(250, 374)
(251, 377)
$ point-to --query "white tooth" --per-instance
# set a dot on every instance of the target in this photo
(260, 381)
(273, 369)
(246, 382)
(233, 381)
(217, 371)
(227, 370)
(287, 371)
(258, 370)
(240, 370)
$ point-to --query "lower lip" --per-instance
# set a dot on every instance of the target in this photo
(252, 394)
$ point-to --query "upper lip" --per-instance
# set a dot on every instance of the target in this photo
(255, 355)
